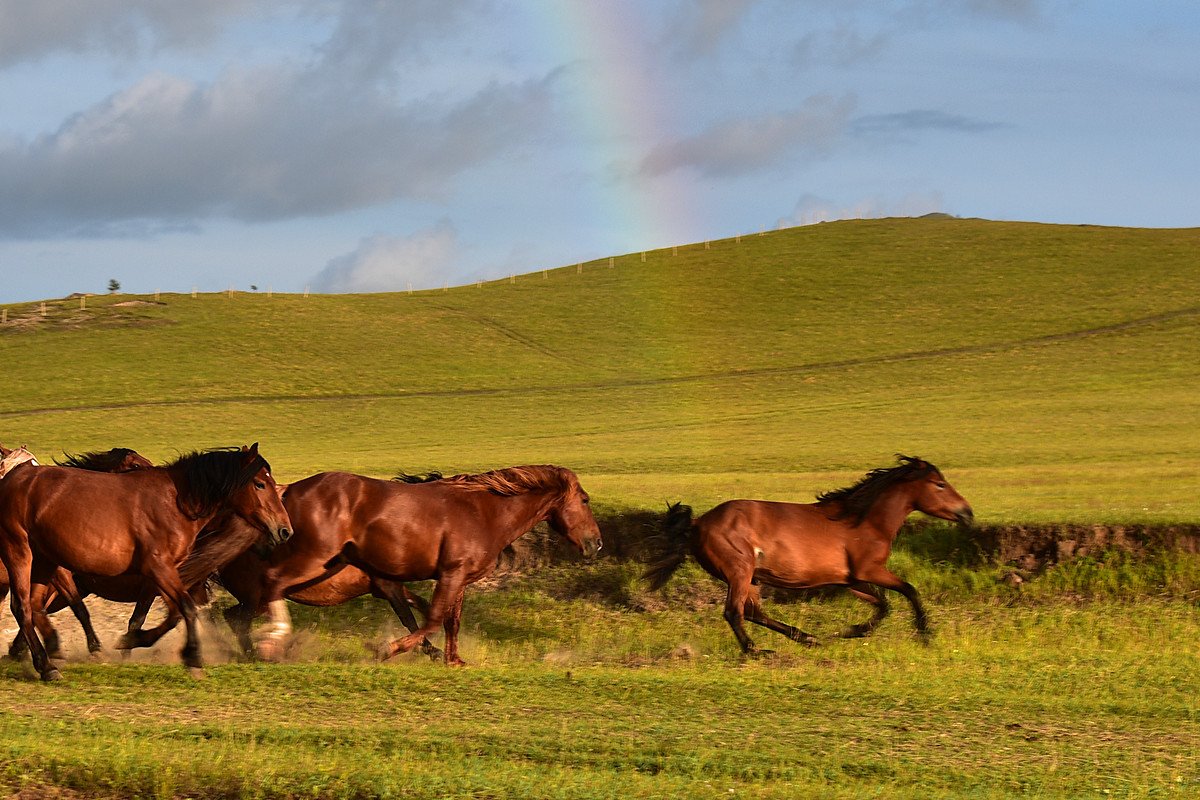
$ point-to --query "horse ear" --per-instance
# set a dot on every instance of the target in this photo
(4, 451)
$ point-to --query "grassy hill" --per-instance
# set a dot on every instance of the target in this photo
(1053, 372)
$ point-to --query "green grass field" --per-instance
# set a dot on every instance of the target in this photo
(1050, 370)
(1053, 372)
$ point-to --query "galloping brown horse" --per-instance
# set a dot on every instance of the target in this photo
(451, 530)
(144, 521)
(843, 539)
(64, 592)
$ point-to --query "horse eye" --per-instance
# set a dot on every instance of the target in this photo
(259, 485)
(941, 485)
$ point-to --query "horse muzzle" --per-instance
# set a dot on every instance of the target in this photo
(965, 517)
(591, 546)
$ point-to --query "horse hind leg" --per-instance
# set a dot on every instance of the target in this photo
(64, 584)
(736, 603)
(755, 613)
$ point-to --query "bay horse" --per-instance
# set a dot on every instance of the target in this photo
(354, 534)
(144, 522)
(843, 539)
(118, 459)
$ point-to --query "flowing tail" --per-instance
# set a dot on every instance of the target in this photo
(669, 547)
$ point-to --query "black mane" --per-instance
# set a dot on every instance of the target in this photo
(108, 461)
(424, 477)
(212, 477)
(856, 501)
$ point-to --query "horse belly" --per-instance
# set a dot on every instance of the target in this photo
(791, 566)
(84, 549)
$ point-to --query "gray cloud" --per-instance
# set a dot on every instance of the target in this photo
(393, 263)
(921, 120)
(698, 26)
(31, 30)
(748, 144)
(261, 144)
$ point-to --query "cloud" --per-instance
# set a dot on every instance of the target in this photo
(256, 144)
(31, 30)
(921, 120)
(740, 146)
(394, 263)
(697, 27)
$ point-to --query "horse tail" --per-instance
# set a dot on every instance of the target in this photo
(669, 547)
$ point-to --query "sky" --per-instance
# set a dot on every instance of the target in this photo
(378, 145)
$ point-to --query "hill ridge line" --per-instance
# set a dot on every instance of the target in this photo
(919, 355)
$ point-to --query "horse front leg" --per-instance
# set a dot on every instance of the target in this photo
(885, 579)
(451, 625)
(401, 600)
(449, 588)
(870, 594)
(178, 601)
(276, 632)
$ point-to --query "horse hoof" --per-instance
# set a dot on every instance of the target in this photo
(851, 632)
(268, 650)
(197, 673)
(51, 675)
(384, 651)
(434, 654)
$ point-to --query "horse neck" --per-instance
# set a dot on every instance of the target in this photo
(890, 510)
(176, 476)
(520, 513)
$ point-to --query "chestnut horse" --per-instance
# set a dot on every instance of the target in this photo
(843, 539)
(451, 530)
(144, 522)
(118, 459)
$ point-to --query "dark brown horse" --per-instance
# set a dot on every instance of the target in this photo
(843, 539)
(64, 592)
(451, 530)
(142, 522)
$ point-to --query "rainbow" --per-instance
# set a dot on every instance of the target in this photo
(619, 116)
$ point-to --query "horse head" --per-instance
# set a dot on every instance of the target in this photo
(259, 501)
(933, 495)
(571, 516)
